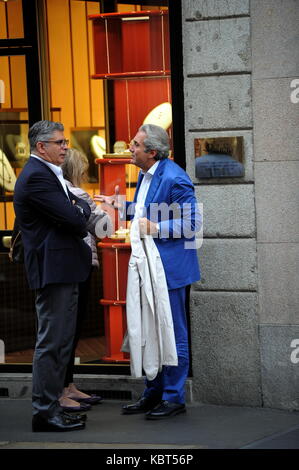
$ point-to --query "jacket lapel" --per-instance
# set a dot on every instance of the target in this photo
(156, 181)
(35, 161)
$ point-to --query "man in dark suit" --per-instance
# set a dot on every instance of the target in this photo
(53, 224)
(166, 207)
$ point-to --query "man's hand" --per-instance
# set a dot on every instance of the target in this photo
(115, 200)
(147, 227)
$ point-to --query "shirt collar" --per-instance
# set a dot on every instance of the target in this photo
(152, 169)
(56, 169)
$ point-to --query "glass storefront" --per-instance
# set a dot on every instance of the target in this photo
(17, 320)
(102, 75)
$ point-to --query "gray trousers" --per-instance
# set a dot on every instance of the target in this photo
(56, 309)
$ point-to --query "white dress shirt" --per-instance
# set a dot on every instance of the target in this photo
(143, 190)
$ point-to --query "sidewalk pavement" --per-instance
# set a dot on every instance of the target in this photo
(203, 427)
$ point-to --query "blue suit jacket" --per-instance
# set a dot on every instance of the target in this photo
(171, 202)
(52, 228)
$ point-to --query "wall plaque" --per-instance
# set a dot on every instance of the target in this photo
(219, 157)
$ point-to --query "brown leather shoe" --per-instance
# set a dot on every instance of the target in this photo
(143, 405)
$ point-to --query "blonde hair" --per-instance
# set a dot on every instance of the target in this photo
(75, 167)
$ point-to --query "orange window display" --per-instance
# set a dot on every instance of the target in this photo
(131, 44)
(132, 52)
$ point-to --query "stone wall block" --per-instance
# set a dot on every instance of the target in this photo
(276, 118)
(278, 273)
(277, 196)
(280, 374)
(228, 265)
(204, 43)
(199, 9)
(275, 39)
(222, 102)
(225, 355)
(228, 210)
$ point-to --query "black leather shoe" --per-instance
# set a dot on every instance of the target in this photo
(75, 417)
(77, 409)
(165, 409)
(57, 423)
(143, 405)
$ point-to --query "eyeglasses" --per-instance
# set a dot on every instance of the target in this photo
(61, 143)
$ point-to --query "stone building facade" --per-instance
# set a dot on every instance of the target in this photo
(241, 75)
(241, 78)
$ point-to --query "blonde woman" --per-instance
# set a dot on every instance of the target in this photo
(75, 168)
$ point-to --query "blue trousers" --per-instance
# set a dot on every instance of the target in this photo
(170, 382)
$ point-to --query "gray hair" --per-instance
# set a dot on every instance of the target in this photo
(156, 139)
(41, 131)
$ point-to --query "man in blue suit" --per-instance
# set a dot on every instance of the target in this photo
(53, 224)
(166, 207)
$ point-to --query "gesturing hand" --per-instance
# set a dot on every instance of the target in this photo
(115, 200)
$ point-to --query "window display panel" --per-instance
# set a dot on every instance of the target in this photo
(79, 98)
(137, 100)
(17, 310)
(14, 149)
(11, 19)
(132, 56)
(131, 44)
(17, 316)
(82, 121)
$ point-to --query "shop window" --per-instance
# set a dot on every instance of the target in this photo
(70, 64)
(13, 131)
(101, 114)
(17, 317)
(101, 110)
(131, 50)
